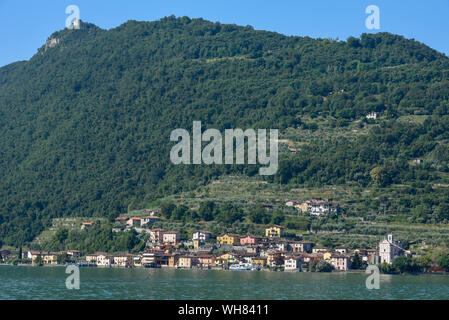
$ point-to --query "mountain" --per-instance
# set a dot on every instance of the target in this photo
(85, 123)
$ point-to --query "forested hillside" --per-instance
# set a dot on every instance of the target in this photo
(85, 124)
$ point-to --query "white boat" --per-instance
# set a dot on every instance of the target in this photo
(241, 266)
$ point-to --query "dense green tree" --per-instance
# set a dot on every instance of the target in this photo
(86, 125)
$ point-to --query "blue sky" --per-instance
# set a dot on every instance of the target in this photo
(25, 25)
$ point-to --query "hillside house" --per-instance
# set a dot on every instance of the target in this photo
(201, 235)
(373, 115)
(274, 231)
(317, 207)
(301, 246)
(249, 240)
(172, 237)
(156, 235)
(228, 238)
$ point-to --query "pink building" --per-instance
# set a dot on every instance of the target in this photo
(249, 240)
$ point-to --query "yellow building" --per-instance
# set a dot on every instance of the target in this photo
(260, 261)
(196, 244)
(49, 257)
(274, 231)
(228, 238)
(227, 258)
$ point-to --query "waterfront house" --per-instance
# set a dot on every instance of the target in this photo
(206, 261)
(50, 257)
(226, 259)
(124, 260)
(274, 231)
(73, 254)
(260, 261)
(201, 235)
(171, 237)
(151, 259)
(27, 255)
(228, 238)
(173, 260)
(293, 263)
(249, 240)
(341, 262)
(187, 261)
(91, 258)
(34, 255)
(275, 259)
(104, 259)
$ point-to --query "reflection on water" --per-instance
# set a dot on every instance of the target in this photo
(97, 283)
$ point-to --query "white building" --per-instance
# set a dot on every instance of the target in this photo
(149, 220)
(156, 235)
(317, 207)
(293, 263)
(373, 115)
(201, 235)
(104, 259)
(389, 249)
(171, 237)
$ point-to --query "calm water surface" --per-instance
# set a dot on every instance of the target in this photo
(96, 283)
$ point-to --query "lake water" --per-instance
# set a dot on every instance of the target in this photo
(18, 282)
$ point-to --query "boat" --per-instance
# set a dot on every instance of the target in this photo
(240, 266)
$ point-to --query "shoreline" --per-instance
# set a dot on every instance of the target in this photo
(221, 269)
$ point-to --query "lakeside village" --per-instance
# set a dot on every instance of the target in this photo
(237, 252)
